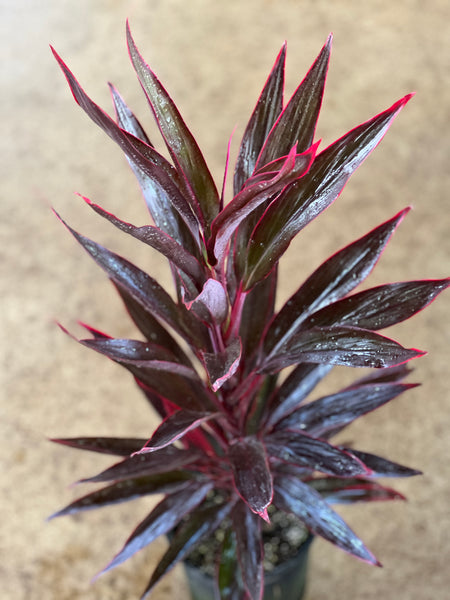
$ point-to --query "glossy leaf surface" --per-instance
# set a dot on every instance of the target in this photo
(300, 499)
(144, 289)
(333, 280)
(157, 169)
(163, 518)
(160, 241)
(382, 467)
(297, 122)
(340, 345)
(221, 366)
(247, 529)
(348, 491)
(104, 445)
(175, 427)
(265, 113)
(202, 522)
(309, 452)
(382, 306)
(140, 465)
(323, 416)
(180, 142)
(123, 491)
(294, 390)
(312, 194)
(252, 475)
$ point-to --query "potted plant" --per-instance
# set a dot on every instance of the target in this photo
(243, 454)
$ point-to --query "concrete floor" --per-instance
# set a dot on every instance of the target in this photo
(214, 58)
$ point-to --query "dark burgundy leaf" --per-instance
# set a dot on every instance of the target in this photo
(104, 445)
(202, 523)
(335, 278)
(348, 491)
(152, 329)
(181, 144)
(163, 518)
(259, 306)
(329, 413)
(252, 475)
(265, 113)
(158, 172)
(145, 290)
(293, 167)
(297, 122)
(340, 345)
(382, 467)
(247, 529)
(294, 496)
(294, 390)
(382, 306)
(211, 305)
(220, 366)
(163, 212)
(126, 119)
(313, 193)
(152, 366)
(140, 465)
(123, 491)
(306, 451)
(175, 427)
(160, 241)
(135, 351)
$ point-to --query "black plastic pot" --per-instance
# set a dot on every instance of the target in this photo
(286, 582)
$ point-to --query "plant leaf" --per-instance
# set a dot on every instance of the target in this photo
(259, 306)
(247, 529)
(142, 465)
(162, 211)
(265, 113)
(294, 496)
(182, 146)
(145, 290)
(255, 193)
(104, 445)
(160, 241)
(159, 181)
(340, 345)
(313, 193)
(123, 491)
(175, 427)
(202, 522)
(211, 305)
(382, 467)
(163, 518)
(294, 390)
(252, 476)
(220, 366)
(150, 327)
(330, 413)
(317, 455)
(335, 278)
(297, 122)
(381, 306)
(347, 491)
(175, 382)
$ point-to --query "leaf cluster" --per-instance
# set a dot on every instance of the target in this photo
(237, 434)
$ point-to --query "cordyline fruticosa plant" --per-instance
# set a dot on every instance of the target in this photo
(236, 437)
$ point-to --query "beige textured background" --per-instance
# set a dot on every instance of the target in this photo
(214, 58)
